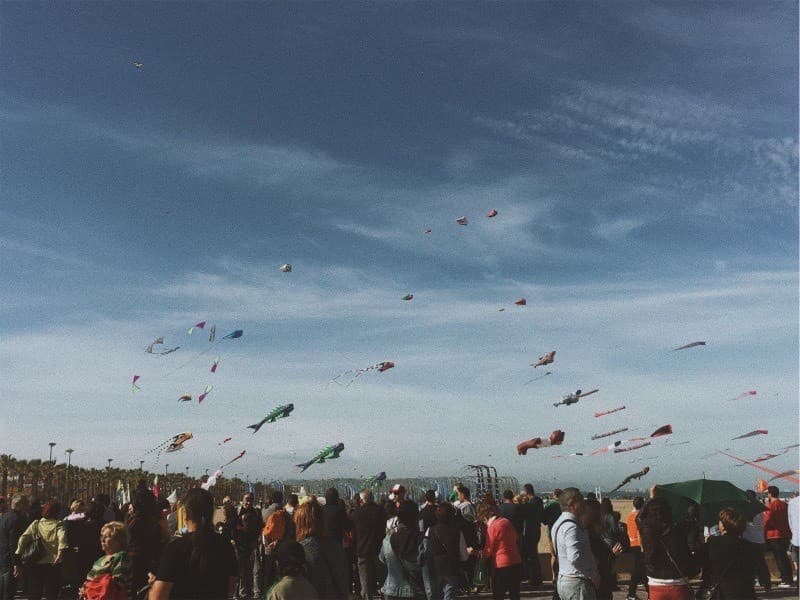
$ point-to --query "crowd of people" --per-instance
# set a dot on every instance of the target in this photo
(394, 547)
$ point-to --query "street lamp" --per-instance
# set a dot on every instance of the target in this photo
(51, 444)
(69, 452)
(109, 463)
(141, 465)
(166, 469)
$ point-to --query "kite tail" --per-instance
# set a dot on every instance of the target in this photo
(305, 465)
(255, 427)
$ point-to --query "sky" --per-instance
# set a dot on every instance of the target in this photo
(642, 157)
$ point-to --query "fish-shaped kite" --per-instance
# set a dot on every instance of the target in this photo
(327, 453)
(745, 395)
(156, 342)
(521, 302)
(608, 412)
(214, 364)
(178, 441)
(408, 297)
(545, 360)
(492, 213)
(200, 325)
(234, 334)
(375, 481)
(687, 346)
(286, 268)
(753, 433)
(136, 388)
(574, 397)
(379, 367)
(241, 454)
(205, 393)
(279, 412)
(630, 478)
(598, 436)
(556, 439)
(185, 398)
(462, 220)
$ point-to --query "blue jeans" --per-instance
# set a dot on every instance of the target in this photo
(573, 588)
(451, 584)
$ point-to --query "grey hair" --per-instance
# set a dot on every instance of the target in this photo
(568, 496)
(18, 499)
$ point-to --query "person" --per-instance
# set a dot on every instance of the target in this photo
(336, 521)
(447, 549)
(778, 534)
(114, 569)
(464, 505)
(427, 514)
(637, 571)
(502, 548)
(249, 528)
(83, 540)
(199, 565)
(594, 522)
(275, 502)
(399, 552)
(666, 548)
(551, 511)
(43, 577)
(12, 524)
(398, 494)
(292, 503)
(728, 561)
(512, 510)
(369, 521)
(326, 563)
(293, 583)
(145, 534)
(754, 535)
(390, 508)
(532, 534)
(794, 525)
(577, 573)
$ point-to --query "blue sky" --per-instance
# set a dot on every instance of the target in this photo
(642, 158)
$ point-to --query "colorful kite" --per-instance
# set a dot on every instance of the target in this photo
(521, 302)
(214, 365)
(171, 445)
(462, 220)
(380, 367)
(136, 388)
(753, 433)
(156, 342)
(234, 334)
(761, 486)
(280, 412)
(545, 360)
(375, 481)
(556, 439)
(744, 395)
(492, 213)
(608, 412)
(574, 397)
(212, 334)
(630, 478)
(408, 297)
(286, 268)
(185, 398)
(200, 325)
(539, 377)
(241, 454)
(599, 436)
(205, 393)
(687, 346)
(787, 475)
(327, 453)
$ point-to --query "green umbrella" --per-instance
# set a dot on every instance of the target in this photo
(711, 495)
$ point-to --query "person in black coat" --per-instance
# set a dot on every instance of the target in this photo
(336, 520)
(445, 548)
(369, 521)
(729, 561)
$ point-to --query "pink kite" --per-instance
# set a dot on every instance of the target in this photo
(692, 345)
(765, 457)
(608, 412)
(556, 439)
(787, 475)
(491, 213)
(234, 460)
(521, 302)
(745, 395)
(135, 387)
(200, 325)
(753, 433)
(545, 360)
(214, 365)
(205, 393)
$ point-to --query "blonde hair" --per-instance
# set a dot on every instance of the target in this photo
(520, 499)
(76, 506)
(119, 533)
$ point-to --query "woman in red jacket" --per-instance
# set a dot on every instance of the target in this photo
(502, 548)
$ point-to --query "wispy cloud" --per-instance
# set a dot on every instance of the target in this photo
(47, 253)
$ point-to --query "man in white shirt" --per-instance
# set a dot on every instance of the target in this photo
(794, 525)
(577, 572)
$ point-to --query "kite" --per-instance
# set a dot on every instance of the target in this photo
(200, 325)
(568, 455)
(787, 475)
(574, 397)
(375, 481)
(327, 453)
(787, 448)
(692, 345)
(630, 478)
(408, 297)
(663, 430)
(608, 412)
(545, 360)
(234, 334)
(135, 387)
(225, 441)
(501, 310)
(138, 65)
(279, 412)
(185, 398)
(629, 448)
(744, 395)
(241, 454)
(212, 334)
(214, 366)
(462, 220)
(286, 268)
(539, 377)
(212, 480)
(556, 439)
(761, 486)
(380, 367)
(171, 445)
(156, 342)
(491, 213)
(426, 231)
(764, 457)
(521, 302)
(608, 433)
(753, 433)
(205, 393)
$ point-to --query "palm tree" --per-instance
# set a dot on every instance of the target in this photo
(6, 461)
(35, 472)
(22, 470)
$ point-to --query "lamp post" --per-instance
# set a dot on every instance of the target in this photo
(187, 471)
(166, 469)
(51, 444)
(141, 465)
(69, 452)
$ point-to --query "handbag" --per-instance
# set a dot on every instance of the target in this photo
(104, 588)
(481, 576)
(35, 550)
(711, 592)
